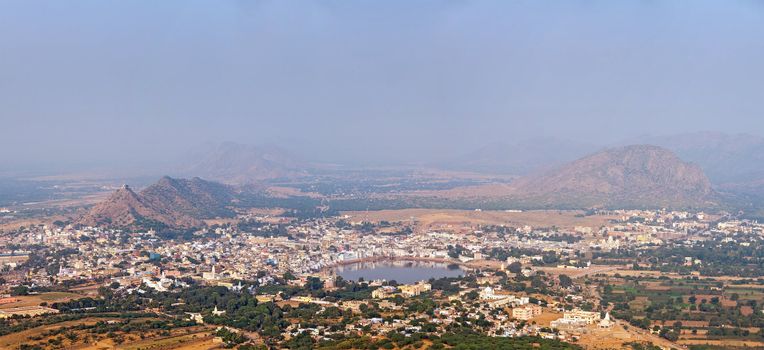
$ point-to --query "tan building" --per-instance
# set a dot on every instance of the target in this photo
(383, 292)
(353, 305)
(576, 318)
(527, 312)
(411, 290)
(588, 317)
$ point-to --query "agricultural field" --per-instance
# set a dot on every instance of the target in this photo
(694, 312)
(42, 298)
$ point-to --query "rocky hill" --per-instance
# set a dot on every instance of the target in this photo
(169, 203)
(627, 177)
(725, 158)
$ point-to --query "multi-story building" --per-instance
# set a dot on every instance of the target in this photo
(527, 312)
(411, 290)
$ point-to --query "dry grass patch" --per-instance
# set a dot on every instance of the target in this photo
(34, 300)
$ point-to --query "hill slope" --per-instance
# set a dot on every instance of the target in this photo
(725, 158)
(631, 176)
(122, 209)
(174, 203)
(196, 198)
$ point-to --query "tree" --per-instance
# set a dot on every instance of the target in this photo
(302, 341)
(314, 284)
(20, 290)
(515, 267)
(565, 281)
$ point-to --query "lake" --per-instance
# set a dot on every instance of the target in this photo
(402, 271)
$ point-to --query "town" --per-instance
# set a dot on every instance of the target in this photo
(512, 281)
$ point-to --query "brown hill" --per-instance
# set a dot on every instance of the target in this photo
(121, 209)
(173, 203)
(725, 158)
(196, 198)
(631, 176)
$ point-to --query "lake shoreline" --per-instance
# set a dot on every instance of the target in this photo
(401, 270)
(394, 259)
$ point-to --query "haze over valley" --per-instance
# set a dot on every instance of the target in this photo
(364, 175)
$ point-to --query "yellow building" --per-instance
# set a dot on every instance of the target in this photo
(411, 290)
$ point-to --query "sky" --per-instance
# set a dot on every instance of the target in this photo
(109, 82)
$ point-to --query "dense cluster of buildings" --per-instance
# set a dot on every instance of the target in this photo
(225, 256)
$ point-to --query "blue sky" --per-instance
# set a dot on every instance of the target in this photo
(100, 81)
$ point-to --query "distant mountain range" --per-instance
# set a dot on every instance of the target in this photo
(234, 163)
(733, 162)
(520, 158)
(627, 177)
(634, 176)
(176, 203)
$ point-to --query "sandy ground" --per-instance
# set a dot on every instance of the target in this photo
(200, 340)
(13, 224)
(546, 317)
(74, 202)
(613, 338)
(436, 217)
(641, 335)
(90, 289)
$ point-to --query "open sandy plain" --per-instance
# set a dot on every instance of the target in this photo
(428, 218)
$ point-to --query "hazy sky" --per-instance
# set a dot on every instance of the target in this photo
(93, 81)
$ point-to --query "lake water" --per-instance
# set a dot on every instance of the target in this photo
(401, 271)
